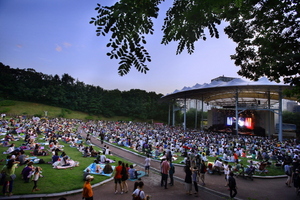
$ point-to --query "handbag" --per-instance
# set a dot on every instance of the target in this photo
(13, 176)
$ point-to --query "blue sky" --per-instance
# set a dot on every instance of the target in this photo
(55, 37)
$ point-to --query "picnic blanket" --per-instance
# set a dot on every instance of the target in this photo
(140, 174)
(58, 165)
(92, 167)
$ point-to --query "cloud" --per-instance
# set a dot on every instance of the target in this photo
(58, 48)
(66, 44)
(19, 46)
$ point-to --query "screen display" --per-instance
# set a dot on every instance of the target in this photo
(242, 122)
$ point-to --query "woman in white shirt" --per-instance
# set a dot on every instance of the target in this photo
(139, 191)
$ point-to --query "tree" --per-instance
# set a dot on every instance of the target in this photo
(291, 118)
(266, 32)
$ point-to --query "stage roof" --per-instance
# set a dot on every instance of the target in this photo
(221, 93)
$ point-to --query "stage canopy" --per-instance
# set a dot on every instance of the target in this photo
(221, 93)
(238, 94)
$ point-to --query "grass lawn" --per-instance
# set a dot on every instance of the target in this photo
(56, 180)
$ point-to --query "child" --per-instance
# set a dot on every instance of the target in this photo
(35, 178)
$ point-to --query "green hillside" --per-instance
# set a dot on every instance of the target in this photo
(17, 108)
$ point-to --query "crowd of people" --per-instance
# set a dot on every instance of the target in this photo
(162, 141)
(157, 141)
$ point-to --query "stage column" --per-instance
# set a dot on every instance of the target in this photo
(280, 115)
(236, 111)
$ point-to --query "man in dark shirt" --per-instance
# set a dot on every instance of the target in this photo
(232, 185)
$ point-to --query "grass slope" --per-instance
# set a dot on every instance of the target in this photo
(17, 108)
(56, 180)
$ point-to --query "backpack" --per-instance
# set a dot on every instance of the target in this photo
(138, 197)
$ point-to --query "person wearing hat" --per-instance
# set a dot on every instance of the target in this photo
(87, 192)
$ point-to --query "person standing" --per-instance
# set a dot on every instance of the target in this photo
(288, 172)
(171, 173)
(296, 180)
(232, 185)
(226, 172)
(87, 192)
(202, 170)
(35, 178)
(118, 177)
(165, 167)
(124, 178)
(101, 137)
(195, 172)
(147, 165)
(188, 179)
(9, 171)
(26, 172)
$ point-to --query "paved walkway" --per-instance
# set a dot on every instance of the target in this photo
(258, 189)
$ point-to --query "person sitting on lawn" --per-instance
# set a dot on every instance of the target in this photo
(38, 151)
(133, 174)
(22, 157)
(10, 149)
(9, 137)
(107, 168)
(87, 172)
(86, 152)
(65, 161)
(55, 156)
(102, 158)
(80, 148)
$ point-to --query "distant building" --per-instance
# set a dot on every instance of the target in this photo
(290, 105)
(296, 109)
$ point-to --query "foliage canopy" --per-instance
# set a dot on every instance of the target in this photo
(29, 85)
(266, 32)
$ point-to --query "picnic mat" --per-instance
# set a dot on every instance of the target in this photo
(92, 168)
(141, 174)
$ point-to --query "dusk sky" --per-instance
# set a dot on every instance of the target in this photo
(55, 37)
